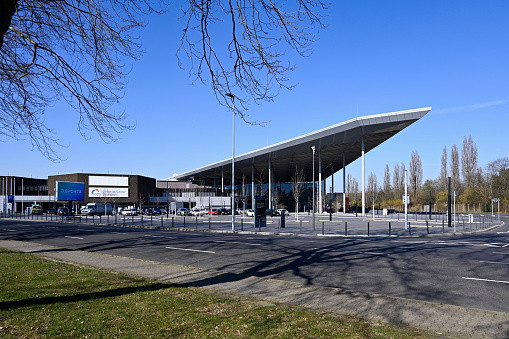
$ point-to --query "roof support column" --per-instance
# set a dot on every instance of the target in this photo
(344, 184)
(320, 207)
(222, 181)
(270, 187)
(363, 179)
(252, 187)
(332, 190)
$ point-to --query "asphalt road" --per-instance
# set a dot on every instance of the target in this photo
(464, 270)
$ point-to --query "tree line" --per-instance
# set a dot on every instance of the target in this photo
(475, 186)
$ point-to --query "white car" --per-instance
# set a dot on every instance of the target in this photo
(197, 212)
(282, 211)
(133, 211)
(250, 213)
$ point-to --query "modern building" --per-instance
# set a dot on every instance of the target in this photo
(269, 170)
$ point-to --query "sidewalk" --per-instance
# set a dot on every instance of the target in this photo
(434, 318)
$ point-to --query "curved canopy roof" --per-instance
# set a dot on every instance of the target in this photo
(334, 143)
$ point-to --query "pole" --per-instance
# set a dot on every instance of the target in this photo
(233, 159)
(406, 200)
(449, 202)
(454, 211)
(313, 148)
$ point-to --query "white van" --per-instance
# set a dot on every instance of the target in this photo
(97, 208)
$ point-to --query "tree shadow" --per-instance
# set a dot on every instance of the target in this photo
(8, 305)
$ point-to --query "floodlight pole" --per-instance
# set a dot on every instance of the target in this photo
(231, 96)
(313, 148)
(406, 201)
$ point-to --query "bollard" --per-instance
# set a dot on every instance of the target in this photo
(409, 229)
(150, 220)
(172, 222)
(346, 233)
(427, 227)
(162, 217)
(142, 220)
(184, 221)
(209, 223)
(323, 228)
(300, 229)
(443, 226)
(196, 223)
(390, 231)
(241, 224)
(99, 219)
(368, 228)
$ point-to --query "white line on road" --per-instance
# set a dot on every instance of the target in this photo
(67, 236)
(495, 262)
(236, 242)
(487, 280)
(500, 253)
(119, 233)
(188, 249)
(360, 252)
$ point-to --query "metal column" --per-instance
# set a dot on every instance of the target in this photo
(363, 179)
(320, 207)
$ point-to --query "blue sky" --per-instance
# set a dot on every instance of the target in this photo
(375, 57)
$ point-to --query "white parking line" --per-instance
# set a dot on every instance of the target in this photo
(236, 242)
(495, 262)
(67, 236)
(358, 252)
(487, 280)
(188, 249)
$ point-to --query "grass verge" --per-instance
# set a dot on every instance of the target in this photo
(45, 299)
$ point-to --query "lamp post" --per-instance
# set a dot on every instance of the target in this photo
(313, 148)
(231, 96)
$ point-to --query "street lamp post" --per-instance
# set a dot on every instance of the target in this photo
(231, 96)
(313, 148)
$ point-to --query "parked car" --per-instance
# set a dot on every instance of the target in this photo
(250, 213)
(63, 211)
(196, 212)
(226, 211)
(214, 211)
(157, 211)
(51, 211)
(281, 211)
(130, 211)
(183, 211)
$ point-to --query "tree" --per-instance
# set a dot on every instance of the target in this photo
(396, 180)
(469, 161)
(415, 173)
(297, 187)
(443, 170)
(373, 190)
(455, 169)
(387, 183)
(80, 51)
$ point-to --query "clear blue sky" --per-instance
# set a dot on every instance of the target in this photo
(375, 57)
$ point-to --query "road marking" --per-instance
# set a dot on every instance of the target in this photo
(495, 262)
(10, 230)
(85, 230)
(153, 236)
(67, 236)
(500, 253)
(188, 249)
(119, 233)
(360, 252)
(236, 242)
(487, 280)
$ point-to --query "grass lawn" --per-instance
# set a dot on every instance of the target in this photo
(46, 299)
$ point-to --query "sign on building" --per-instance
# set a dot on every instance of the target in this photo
(70, 191)
(108, 192)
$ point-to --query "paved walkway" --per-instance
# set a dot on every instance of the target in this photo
(435, 318)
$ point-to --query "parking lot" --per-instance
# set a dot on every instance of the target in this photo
(323, 225)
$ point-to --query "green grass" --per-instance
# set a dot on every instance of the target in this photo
(47, 299)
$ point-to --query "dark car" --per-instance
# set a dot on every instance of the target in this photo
(226, 211)
(63, 211)
(157, 211)
(51, 211)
